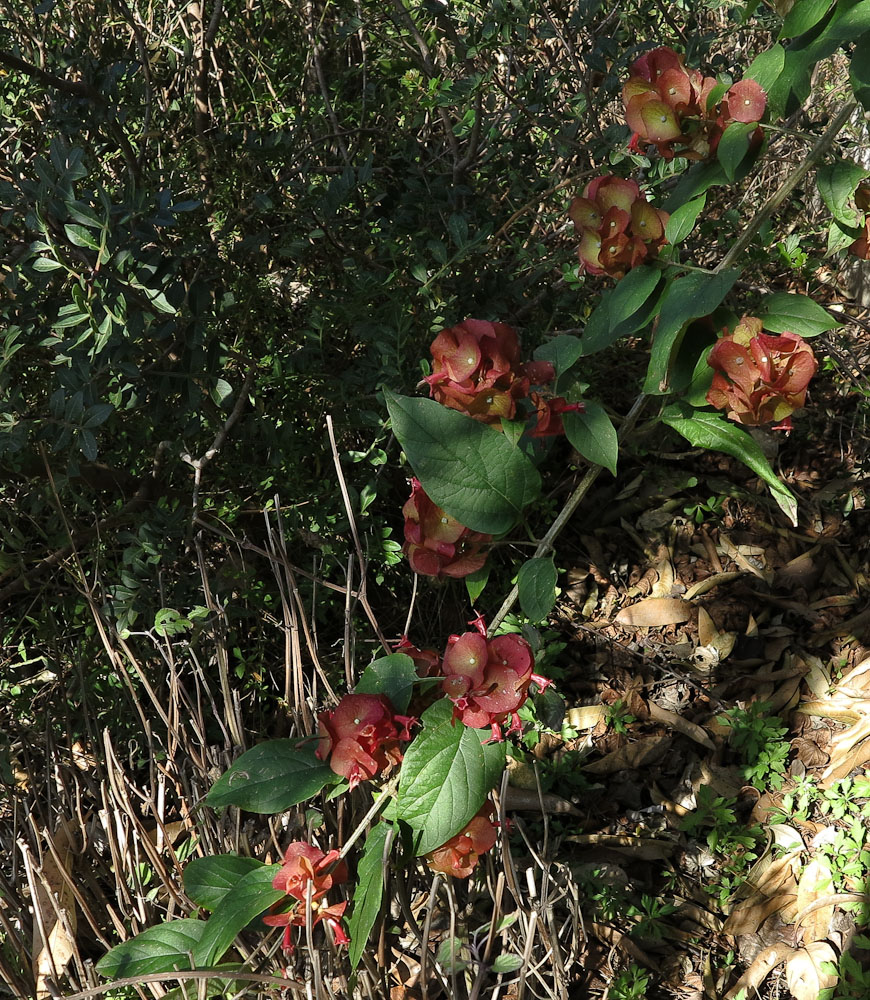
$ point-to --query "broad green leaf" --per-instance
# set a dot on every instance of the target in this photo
(593, 435)
(457, 224)
(710, 430)
(393, 676)
(84, 214)
(44, 264)
(803, 15)
(447, 772)
(766, 67)
(797, 314)
(207, 880)
(164, 948)
(622, 310)
(859, 71)
(251, 895)
(368, 892)
(536, 583)
(837, 182)
(688, 298)
(561, 352)
(702, 379)
(271, 778)
(468, 469)
(840, 238)
(734, 145)
(476, 582)
(683, 219)
(80, 237)
(694, 182)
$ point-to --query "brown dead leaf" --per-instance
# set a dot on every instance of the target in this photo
(526, 798)
(815, 881)
(653, 612)
(708, 583)
(809, 753)
(803, 970)
(765, 962)
(644, 848)
(585, 716)
(54, 904)
(707, 630)
(749, 916)
(690, 729)
(643, 753)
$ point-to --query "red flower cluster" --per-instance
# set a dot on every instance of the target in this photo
(617, 226)
(667, 104)
(427, 661)
(861, 246)
(360, 737)
(488, 679)
(459, 856)
(437, 544)
(307, 872)
(759, 377)
(476, 369)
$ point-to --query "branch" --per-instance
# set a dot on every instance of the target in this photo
(73, 87)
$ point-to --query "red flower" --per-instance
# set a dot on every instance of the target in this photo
(427, 661)
(550, 412)
(616, 224)
(459, 856)
(488, 679)
(861, 246)
(760, 378)
(360, 737)
(307, 872)
(436, 544)
(668, 104)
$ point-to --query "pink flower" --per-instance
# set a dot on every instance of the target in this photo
(307, 872)
(667, 104)
(436, 544)
(759, 377)
(360, 737)
(488, 679)
(459, 856)
(616, 224)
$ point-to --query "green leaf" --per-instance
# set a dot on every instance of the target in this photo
(622, 310)
(208, 880)
(466, 468)
(710, 430)
(683, 219)
(536, 583)
(803, 15)
(840, 238)
(859, 71)
(458, 226)
(84, 214)
(164, 948)
(251, 895)
(687, 298)
(734, 145)
(505, 963)
(80, 237)
(562, 352)
(837, 182)
(694, 182)
(446, 774)
(476, 582)
(394, 676)
(797, 314)
(368, 893)
(766, 67)
(271, 778)
(593, 435)
(44, 264)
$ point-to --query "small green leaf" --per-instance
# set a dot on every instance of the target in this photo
(393, 676)
(837, 182)
(44, 264)
(447, 772)
(368, 892)
(797, 314)
(536, 583)
(803, 15)
(466, 468)
(457, 224)
(688, 298)
(562, 352)
(734, 145)
(710, 430)
(80, 237)
(164, 948)
(505, 963)
(683, 219)
(207, 880)
(251, 895)
(840, 238)
(593, 435)
(476, 582)
(271, 778)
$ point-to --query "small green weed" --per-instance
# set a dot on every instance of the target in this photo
(709, 511)
(618, 716)
(631, 984)
(759, 740)
(854, 979)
